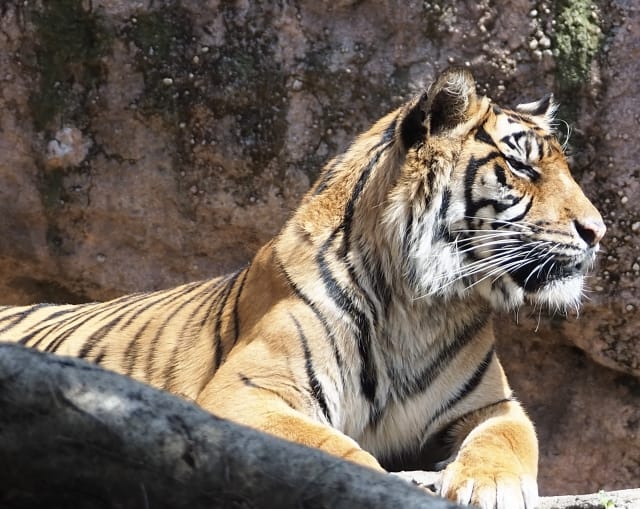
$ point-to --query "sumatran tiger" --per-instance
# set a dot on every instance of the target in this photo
(364, 328)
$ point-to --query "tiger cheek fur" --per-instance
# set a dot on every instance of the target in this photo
(364, 327)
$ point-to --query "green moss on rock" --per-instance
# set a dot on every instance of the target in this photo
(577, 41)
(52, 188)
(70, 44)
(235, 79)
(164, 38)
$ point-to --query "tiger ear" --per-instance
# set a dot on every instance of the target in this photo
(443, 107)
(545, 108)
(449, 100)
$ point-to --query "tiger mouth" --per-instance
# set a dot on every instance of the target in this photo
(532, 276)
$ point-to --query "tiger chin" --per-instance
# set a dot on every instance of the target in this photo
(364, 327)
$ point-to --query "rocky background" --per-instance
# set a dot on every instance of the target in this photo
(144, 144)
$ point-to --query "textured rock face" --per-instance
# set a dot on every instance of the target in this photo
(141, 147)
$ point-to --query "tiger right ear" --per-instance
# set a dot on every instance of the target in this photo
(449, 100)
(444, 106)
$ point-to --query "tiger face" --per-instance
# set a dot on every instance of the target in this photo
(507, 219)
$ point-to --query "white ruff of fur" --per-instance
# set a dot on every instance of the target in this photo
(434, 263)
(560, 295)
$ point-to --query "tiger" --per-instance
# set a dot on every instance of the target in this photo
(364, 327)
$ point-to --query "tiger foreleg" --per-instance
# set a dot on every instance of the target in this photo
(497, 462)
(273, 411)
(296, 427)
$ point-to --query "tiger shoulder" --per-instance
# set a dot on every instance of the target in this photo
(364, 328)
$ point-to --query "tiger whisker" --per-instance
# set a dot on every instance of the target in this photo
(505, 254)
(539, 268)
(480, 230)
(461, 275)
(499, 271)
(479, 266)
(504, 242)
(504, 222)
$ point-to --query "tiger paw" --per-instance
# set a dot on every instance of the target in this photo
(495, 488)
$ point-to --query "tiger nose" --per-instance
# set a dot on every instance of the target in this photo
(590, 230)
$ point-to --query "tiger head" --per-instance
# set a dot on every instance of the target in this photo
(487, 203)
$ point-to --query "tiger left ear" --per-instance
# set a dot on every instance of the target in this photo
(443, 107)
(545, 108)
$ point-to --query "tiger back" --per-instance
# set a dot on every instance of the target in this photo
(364, 327)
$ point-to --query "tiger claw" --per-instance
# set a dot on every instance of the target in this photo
(489, 491)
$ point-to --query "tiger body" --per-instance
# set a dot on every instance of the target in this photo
(364, 328)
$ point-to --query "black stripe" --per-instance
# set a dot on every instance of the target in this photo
(541, 107)
(507, 140)
(472, 382)
(516, 118)
(326, 177)
(363, 335)
(329, 173)
(250, 383)
(350, 207)
(247, 381)
(168, 296)
(523, 170)
(81, 315)
(412, 128)
(236, 304)
(129, 308)
(214, 288)
(96, 336)
(500, 207)
(473, 167)
(407, 388)
(78, 312)
(218, 322)
(100, 357)
(500, 174)
(316, 388)
(22, 314)
(368, 378)
(92, 341)
(323, 321)
(483, 136)
(527, 148)
(379, 282)
(153, 350)
(448, 434)
(444, 205)
(429, 190)
(56, 314)
(499, 223)
(387, 135)
(131, 353)
(17, 318)
(347, 220)
(407, 238)
(523, 214)
(407, 243)
(442, 230)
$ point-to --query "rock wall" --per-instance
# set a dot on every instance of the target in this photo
(145, 144)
